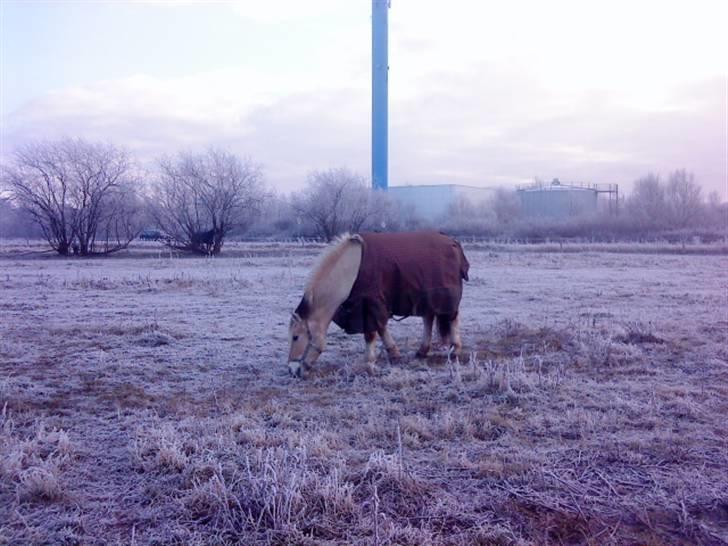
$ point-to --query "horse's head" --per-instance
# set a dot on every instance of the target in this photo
(306, 344)
(328, 287)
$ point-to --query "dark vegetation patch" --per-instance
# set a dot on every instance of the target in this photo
(638, 338)
(511, 338)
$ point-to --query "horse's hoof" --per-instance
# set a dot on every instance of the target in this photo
(422, 353)
(394, 354)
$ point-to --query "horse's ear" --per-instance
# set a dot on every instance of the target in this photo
(303, 309)
(357, 239)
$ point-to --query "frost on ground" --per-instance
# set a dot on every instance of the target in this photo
(144, 399)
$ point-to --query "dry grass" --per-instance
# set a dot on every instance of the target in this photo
(31, 467)
(146, 402)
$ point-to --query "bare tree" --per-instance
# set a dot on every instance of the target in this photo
(121, 219)
(506, 205)
(276, 217)
(71, 188)
(407, 217)
(684, 199)
(647, 205)
(200, 198)
(339, 200)
(716, 213)
(466, 216)
(385, 213)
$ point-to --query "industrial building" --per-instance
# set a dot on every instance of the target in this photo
(557, 200)
(545, 200)
(434, 202)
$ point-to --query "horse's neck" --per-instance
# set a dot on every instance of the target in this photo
(323, 316)
(333, 283)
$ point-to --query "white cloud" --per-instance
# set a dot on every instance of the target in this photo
(468, 133)
(275, 11)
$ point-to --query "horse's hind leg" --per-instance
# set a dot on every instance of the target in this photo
(389, 343)
(444, 328)
(449, 329)
(456, 342)
(427, 321)
(370, 338)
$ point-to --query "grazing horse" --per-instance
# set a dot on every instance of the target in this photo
(363, 280)
(204, 237)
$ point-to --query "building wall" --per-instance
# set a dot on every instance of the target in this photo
(433, 202)
(476, 196)
(427, 201)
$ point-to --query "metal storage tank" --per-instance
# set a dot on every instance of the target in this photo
(557, 200)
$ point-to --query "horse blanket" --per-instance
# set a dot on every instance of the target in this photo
(404, 274)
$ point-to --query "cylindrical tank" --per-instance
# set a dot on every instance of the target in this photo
(557, 201)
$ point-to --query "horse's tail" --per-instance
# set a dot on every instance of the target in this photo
(464, 264)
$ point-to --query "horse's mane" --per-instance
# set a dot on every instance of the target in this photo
(321, 271)
(326, 261)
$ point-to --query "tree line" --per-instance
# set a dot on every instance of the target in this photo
(91, 198)
(673, 210)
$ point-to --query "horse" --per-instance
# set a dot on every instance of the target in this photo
(204, 237)
(363, 280)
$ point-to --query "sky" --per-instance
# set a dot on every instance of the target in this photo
(481, 93)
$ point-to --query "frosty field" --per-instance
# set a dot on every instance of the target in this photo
(145, 399)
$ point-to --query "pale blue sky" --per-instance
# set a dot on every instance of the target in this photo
(50, 45)
(481, 93)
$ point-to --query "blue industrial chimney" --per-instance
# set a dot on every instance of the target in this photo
(380, 84)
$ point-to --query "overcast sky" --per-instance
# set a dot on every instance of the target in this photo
(481, 93)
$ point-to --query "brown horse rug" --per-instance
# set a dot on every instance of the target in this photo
(404, 274)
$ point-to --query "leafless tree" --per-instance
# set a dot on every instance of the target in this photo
(339, 200)
(407, 217)
(465, 216)
(72, 188)
(506, 205)
(684, 199)
(277, 217)
(647, 205)
(200, 198)
(716, 215)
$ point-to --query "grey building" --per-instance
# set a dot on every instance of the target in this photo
(434, 202)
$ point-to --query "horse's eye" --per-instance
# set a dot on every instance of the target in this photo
(295, 338)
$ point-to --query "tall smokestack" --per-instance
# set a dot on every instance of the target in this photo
(380, 85)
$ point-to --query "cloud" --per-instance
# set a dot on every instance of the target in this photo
(499, 124)
(290, 133)
(271, 12)
(490, 125)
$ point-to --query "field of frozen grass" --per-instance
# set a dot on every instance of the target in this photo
(144, 399)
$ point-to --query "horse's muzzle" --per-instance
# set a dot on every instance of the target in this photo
(295, 368)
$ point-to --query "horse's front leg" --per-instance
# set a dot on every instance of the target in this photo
(389, 343)
(427, 321)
